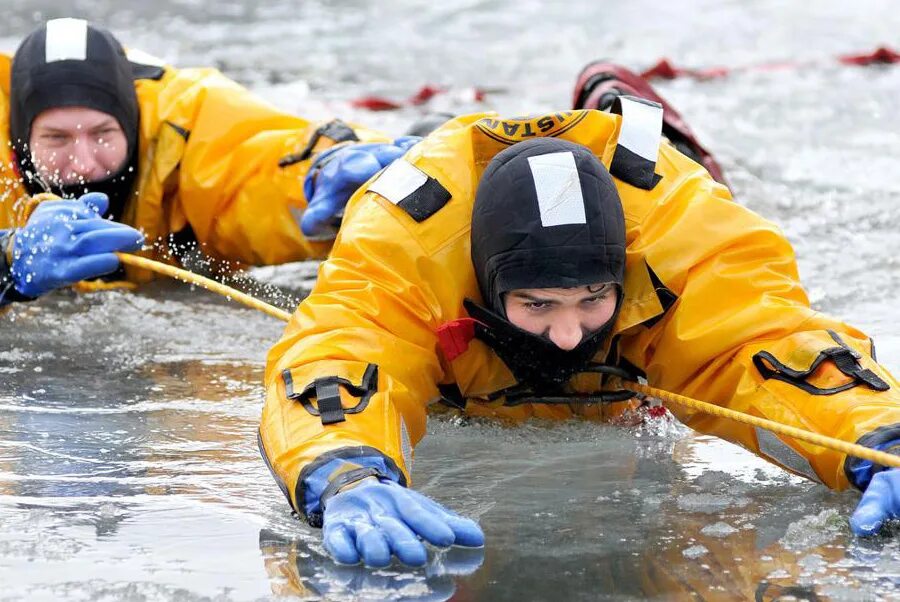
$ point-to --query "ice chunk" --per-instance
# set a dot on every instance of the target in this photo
(812, 531)
(694, 552)
(709, 502)
(719, 529)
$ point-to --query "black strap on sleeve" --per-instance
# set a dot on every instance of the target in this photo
(335, 130)
(326, 392)
(328, 396)
(844, 358)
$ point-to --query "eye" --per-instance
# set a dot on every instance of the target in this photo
(537, 305)
(596, 299)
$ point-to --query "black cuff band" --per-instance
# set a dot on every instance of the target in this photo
(347, 478)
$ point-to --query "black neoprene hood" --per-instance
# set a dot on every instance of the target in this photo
(516, 242)
(102, 80)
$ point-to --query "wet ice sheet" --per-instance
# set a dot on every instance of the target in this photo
(128, 463)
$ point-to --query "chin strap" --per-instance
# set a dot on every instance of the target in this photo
(520, 394)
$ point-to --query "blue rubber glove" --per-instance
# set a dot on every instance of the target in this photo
(66, 241)
(336, 174)
(880, 502)
(378, 518)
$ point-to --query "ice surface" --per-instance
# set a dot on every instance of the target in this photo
(128, 463)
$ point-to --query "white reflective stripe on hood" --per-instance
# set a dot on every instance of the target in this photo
(558, 189)
(66, 40)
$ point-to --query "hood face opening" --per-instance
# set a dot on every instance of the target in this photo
(547, 215)
(70, 63)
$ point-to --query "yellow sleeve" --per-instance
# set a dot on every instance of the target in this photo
(367, 330)
(740, 333)
(241, 184)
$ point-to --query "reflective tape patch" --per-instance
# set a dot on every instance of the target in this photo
(558, 189)
(411, 189)
(778, 450)
(406, 446)
(66, 40)
(641, 128)
(637, 147)
(399, 180)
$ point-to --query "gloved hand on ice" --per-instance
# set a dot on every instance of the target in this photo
(880, 502)
(376, 519)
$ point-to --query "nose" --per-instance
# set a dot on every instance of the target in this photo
(566, 334)
(84, 162)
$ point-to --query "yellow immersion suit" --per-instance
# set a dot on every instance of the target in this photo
(209, 154)
(713, 309)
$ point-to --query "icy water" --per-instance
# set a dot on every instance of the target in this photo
(128, 460)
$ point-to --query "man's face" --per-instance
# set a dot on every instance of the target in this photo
(75, 145)
(563, 315)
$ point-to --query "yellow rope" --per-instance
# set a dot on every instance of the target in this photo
(212, 285)
(851, 449)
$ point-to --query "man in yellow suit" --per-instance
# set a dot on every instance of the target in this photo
(516, 268)
(170, 156)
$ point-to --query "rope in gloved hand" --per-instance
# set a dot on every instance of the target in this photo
(851, 449)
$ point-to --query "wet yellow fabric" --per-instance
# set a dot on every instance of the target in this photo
(390, 282)
(209, 152)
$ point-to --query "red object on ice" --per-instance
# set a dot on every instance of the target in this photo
(380, 103)
(881, 56)
(375, 103)
(454, 337)
(425, 94)
(478, 94)
(656, 411)
(663, 69)
(709, 73)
